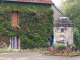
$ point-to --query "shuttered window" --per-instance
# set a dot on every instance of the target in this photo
(14, 18)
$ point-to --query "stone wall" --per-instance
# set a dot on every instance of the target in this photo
(67, 35)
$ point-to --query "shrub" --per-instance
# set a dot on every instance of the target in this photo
(76, 38)
(60, 47)
(73, 46)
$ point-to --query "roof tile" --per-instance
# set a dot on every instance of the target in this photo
(42, 1)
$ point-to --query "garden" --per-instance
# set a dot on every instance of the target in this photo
(59, 51)
(62, 51)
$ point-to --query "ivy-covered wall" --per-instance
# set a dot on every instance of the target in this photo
(35, 23)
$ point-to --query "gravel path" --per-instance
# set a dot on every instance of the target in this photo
(33, 56)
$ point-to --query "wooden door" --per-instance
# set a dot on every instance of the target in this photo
(15, 42)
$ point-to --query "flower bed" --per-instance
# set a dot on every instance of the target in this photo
(61, 53)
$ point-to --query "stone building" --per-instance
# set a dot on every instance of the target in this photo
(63, 31)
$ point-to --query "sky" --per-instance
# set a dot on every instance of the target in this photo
(57, 2)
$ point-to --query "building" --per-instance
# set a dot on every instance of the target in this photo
(15, 40)
(57, 12)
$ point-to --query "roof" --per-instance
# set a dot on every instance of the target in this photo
(64, 22)
(44, 1)
(39, 1)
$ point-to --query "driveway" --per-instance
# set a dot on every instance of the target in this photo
(33, 56)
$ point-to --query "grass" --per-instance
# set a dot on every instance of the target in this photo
(6, 50)
(22, 50)
(33, 50)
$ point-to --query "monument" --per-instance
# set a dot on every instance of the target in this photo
(63, 31)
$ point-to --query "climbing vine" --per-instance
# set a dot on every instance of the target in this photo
(35, 23)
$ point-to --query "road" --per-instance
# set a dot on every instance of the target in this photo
(33, 56)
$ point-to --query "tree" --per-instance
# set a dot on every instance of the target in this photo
(76, 37)
(71, 9)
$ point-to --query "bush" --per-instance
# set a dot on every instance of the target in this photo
(60, 47)
(73, 46)
(76, 37)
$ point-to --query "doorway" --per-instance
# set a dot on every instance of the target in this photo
(15, 42)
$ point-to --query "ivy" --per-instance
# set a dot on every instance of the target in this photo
(35, 23)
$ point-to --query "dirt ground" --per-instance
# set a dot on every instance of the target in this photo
(33, 56)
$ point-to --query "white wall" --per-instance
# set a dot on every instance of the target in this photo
(57, 14)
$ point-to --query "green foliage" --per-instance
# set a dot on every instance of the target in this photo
(73, 46)
(76, 37)
(60, 47)
(22, 50)
(35, 23)
(6, 51)
(71, 9)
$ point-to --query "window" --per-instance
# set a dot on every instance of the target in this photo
(14, 18)
(62, 30)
